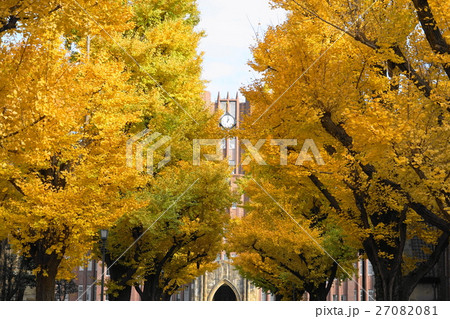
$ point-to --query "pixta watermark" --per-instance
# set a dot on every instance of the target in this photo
(144, 145)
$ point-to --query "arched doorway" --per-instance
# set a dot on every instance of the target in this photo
(224, 293)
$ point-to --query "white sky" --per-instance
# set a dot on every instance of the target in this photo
(230, 27)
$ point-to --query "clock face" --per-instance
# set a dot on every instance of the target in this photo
(227, 121)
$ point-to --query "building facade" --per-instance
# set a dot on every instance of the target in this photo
(360, 288)
(88, 282)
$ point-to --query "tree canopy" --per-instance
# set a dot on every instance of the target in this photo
(81, 78)
(369, 83)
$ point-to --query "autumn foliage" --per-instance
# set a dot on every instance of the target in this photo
(81, 78)
(369, 82)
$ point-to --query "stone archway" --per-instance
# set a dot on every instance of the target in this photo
(224, 291)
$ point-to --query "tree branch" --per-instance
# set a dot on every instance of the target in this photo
(339, 133)
(431, 30)
(10, 24)
(331, 199)
(332, 276)
(17, 187)
(11, 21)
(139, 291)
(22, 129)
(404, 66)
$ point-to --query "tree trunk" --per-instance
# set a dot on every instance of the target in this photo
(46, 277)
(45, 286)
(120, 275)
(388, 286)
(410, 281)
(152, 291)
(20, 293)
(318, 293)
(317, 296)
(166, 297)
(122, 295)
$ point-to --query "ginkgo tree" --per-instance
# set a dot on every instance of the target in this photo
(179, 233)
(369, 82)
(288, 243)
(173, 240)
(62, 135)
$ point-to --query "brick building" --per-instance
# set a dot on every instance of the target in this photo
(88, 282)
(360, 288)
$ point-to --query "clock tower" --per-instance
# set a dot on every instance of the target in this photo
(232, 111)
(225, 282)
